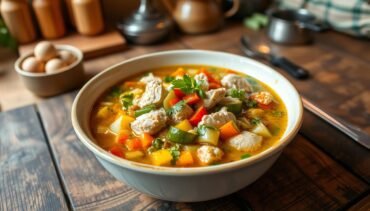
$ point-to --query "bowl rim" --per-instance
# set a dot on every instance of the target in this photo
(77, 52)
(183, 171)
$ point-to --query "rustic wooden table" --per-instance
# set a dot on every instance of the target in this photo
(44, 167)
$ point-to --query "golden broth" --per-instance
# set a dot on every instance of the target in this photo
(109, 107)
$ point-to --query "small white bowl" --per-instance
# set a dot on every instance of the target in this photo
(49, 84)
(186, 184)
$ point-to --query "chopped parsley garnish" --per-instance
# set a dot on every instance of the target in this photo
(175, 152)
(115, 92)
(277, 113)
(176, 108)
(168, 79)
(245, 156)
(237, 93)
(202, 129)
(126, 100)
(156, 145)
(251, 103)
(255, 121)
(188, 85)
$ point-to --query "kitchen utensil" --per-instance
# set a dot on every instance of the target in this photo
(263, 51)
(147, 25)
(200, 16)
(347, 128)
(293, 26)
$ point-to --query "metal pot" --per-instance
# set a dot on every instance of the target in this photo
(293, 26)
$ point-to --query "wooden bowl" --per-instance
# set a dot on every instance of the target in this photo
(50, 84)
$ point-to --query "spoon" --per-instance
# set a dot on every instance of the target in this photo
(263, 51)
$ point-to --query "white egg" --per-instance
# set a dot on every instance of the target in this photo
(45, 51)
(54, 65)
(67, 57)
(31, 64)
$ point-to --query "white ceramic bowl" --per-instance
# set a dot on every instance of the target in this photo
(186, 184)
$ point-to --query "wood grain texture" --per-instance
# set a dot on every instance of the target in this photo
(304, 177)
(28, 180)
(91, 46)
(354, 156)
(363, 205)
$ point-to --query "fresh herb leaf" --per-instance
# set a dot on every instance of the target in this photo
(255, 121)
(126, 100)
(176, 108)
(175, 152)
(202, 129)
(216, 163)
(168, 79)
(157, 145)
(144, 110)
(115, 92)
(277, 113)
(245, 156)
(251, 103)
(237, 93)
(188, 85)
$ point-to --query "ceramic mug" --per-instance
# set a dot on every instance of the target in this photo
(200, 16)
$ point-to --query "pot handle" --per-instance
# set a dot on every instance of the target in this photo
(316, 27)
(233, 9)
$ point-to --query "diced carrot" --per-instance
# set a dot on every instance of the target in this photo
(229, 130)
(133, 84)
(117, 151)
(133, 144)
(179, 72)
(173, 101)
(210, 78)
(180, 94)
(146, 140)
(231, 71)
(197, 117)
(122, 138)
(266, 107)
(191, 98)
(214, 85)
(185, 159)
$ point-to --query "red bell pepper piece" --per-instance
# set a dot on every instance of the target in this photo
(210, 78)
(191, 98)
(180, 94)
(266, 107)
(122, 138)
(173, 101)
(214, 85)
(117, 151)
(197, 117)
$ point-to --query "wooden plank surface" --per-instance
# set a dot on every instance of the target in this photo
(28, 180)
(303, 178)
(91, 46)
(363, 205)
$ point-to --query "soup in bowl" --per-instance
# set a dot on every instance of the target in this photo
(187, 125)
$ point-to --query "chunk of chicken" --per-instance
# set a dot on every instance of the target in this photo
(150, 77)
(202, 79)
(232, 81)
(262, 97)
(246, 142)
(214, 96)
(217, 119)
(150, 123)
(154, 94)
(185, 112)
(209, 154)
